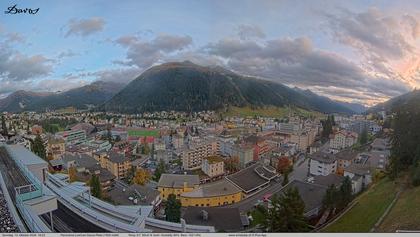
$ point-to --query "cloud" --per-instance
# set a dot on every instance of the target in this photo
(246, 32)
(121, 75)
(386, 43)
(19, 67)
(85, 27)
(145, 53)
(296, 62)
(66, 54)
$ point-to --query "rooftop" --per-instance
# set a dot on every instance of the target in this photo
(223, 219)
(323, 157)
(346, 154)
(219, 188)
(25, 156)
(177, 180)
(358, 169)
(328, 180)
(248, 179)
(116, 157)
(311, 194)
(214, 159)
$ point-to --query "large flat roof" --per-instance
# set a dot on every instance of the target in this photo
(249, 178)
(25, 156)
(219, 188)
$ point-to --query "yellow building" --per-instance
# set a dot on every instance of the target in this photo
(115, 162)
(213, 166)
(215, 194)
(177, 184)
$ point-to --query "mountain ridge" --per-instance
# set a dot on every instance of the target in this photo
(185, 86)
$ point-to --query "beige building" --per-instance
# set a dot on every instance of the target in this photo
(213, 166)
(193, 156)
(343, 139)
(115, 162)
(56, 147)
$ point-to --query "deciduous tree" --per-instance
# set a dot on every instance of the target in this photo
(141, 177)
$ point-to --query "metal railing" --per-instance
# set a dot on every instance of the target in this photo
(32, 220)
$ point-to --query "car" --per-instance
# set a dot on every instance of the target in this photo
(259, 202)
(267, 197)
(130, 198)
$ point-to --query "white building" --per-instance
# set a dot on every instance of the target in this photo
(360, 175)
(322, 164)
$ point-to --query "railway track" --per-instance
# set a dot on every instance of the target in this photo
(66, 221)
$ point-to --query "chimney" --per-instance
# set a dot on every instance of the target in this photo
(204, 215)
(184, 225)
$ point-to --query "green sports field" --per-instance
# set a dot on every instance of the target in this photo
(143, 133)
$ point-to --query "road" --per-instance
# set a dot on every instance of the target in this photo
(300, 171)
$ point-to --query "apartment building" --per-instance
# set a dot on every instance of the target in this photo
(322, 164)
(73, 137)
(56, 147)
(343, 139)
(115, 162)
(213, 166)
(193, 156)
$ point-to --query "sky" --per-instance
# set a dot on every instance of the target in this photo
(356, 51)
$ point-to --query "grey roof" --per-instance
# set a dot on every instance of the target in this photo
(104, 175)
(82, 160)
(328, 180)
(311, 194)
(358, 169)
(223, 219)
(219, 188)
(323, 157)
(248, 179)
(25, 156)
(116, 157)
(148, 194)
(177, 180)
(56, 162)
(346, 154)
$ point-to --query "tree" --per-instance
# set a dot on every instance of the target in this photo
(330, 198)
(72, 174)
(283, 165)
(38, 147)
(95, 186)
(363, 137)
(285, 179)
(3, 126)
(161, 169)
(345, 193)
(285, 215)
(327, 127)
(232, 164)
(141, 177)
(173, 209)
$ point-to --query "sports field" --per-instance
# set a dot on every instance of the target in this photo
(143, 133)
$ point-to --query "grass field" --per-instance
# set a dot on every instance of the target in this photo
(269, 111)
(405, 214)
(143, 133)
(370, 207)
